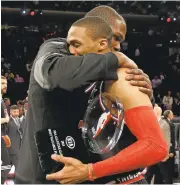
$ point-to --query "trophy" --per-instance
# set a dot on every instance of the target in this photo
(102, 126)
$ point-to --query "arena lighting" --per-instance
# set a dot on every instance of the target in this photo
(168, 20)
(40, 12)
(31, 13)
(23, 11)
(174, 15)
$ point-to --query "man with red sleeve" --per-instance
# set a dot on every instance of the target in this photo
(143, 141)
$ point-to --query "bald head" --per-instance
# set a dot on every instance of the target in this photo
(107, 13)
(158, 111)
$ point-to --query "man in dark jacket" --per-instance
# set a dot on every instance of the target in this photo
(168, 115)
(15, 134)
(54, 75)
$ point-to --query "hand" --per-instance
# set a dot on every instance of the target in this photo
(138, 78)
(124, 61)
(73, 172)
(171, 155)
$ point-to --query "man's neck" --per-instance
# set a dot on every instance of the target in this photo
(105, 51)
(13, 117)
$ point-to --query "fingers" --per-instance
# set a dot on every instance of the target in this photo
(65, 160)
(54, 176)
(135, 71)
(146, 91)
(143, 84)
(139, 78)
(136, 77)
(61, 159)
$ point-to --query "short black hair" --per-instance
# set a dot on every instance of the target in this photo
(14, 107)
(96, 27)
(106, 13)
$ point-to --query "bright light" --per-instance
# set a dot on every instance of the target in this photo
(174, 19)
(168, 19)
(32, 13)
(174, 41)
(170, 41)
(40, 12)
(24, 11)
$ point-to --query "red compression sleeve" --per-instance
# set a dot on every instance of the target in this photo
(149, 149)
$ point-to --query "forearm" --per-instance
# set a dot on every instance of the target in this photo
(149, 149)
(58, 70)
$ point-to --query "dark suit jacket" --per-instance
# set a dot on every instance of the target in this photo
(172, 129)
(15, 136)
(177, 134)
(176, 121)
(22, 124)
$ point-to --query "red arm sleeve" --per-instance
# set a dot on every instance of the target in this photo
(149, 149)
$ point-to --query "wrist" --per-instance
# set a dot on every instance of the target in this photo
(91, 175)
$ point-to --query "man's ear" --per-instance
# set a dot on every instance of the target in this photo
(103, 45)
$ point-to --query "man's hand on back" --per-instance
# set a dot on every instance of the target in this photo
(136, 76)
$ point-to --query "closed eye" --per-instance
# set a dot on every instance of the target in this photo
(118, 38)
(76, 45)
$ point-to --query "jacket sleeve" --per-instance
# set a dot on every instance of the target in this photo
(153, 101)
(166, 132)
(53, 68)
(172, 128)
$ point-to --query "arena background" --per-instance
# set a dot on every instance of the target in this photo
(152, 41)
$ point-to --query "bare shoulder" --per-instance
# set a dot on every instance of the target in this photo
(129, 95)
